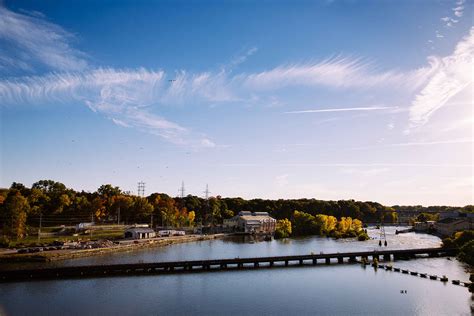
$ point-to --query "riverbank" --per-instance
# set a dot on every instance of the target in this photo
(122, 246)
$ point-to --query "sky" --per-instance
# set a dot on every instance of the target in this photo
(342, 99)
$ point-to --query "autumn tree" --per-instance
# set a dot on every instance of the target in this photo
(15, 210)
(283, 228)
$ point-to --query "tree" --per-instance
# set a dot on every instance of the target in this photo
(15, 208)
(283, 228)
(122, 205)
(142, 209)
(191, 217)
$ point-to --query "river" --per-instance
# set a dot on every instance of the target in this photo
(324, 290)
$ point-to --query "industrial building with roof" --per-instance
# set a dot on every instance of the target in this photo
(251, 223)
(140, 233)
(449, 225)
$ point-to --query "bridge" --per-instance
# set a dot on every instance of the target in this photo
(216, 264)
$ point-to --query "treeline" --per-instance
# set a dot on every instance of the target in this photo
(327, 225)
(56, 204)
(434, 208)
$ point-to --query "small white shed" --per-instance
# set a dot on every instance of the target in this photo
(140, 233)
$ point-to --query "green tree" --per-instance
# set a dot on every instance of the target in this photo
(15, 208)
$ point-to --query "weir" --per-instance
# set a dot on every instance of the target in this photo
(209, 265)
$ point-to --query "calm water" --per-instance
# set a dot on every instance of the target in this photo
(330, 290)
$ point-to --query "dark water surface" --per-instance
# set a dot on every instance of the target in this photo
(324, 290)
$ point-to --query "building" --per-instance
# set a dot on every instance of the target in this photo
(424, 226)
(171, 232)
(83, 226)
(140, 233)
(251, 223)
(450, 225)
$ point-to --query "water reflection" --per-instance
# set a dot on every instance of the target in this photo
(335, 289)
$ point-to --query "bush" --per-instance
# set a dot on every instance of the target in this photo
(362, 236)
(466, 253)
(5, 242)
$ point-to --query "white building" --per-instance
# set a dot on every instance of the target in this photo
(251, 223)
(140, 233)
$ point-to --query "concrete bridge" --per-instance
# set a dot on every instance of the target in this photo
(216, 264)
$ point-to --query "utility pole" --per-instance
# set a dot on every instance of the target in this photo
(92, 223)
(207, 206)
(39, 229)
(118, 216)
(151, 221)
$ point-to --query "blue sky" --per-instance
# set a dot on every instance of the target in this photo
(365, 100)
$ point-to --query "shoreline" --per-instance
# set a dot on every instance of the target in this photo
(56, 255)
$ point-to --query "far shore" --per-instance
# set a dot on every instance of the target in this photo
(128, 245)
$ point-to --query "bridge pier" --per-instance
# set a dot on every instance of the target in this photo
(352, 259)
(301, 262)
(240, 265)
(223, 266)
(386, 257)
(256, 264)
(328, 260)
(271, 263)
(286, 263)
(340, 260)
(375, 257)
(315, 261)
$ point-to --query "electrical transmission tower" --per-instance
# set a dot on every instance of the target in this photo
(206, 215)
(182, 190)
(141, 189)
(207, 192)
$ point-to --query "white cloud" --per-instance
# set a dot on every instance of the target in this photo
(34, 40)
(120, 123)
(351, 165)
(451, 75)
(243, 57)
(458, 11)
(338, 72)
(125, 97)
(372, 108)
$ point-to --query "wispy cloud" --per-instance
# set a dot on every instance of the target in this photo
(417, 144)
(458, 11)
(32, 40)
(372, 108)
(242, 57)
(451, 75)
(125, 97)
(337, 72)
(133, 97)
(351, 165)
